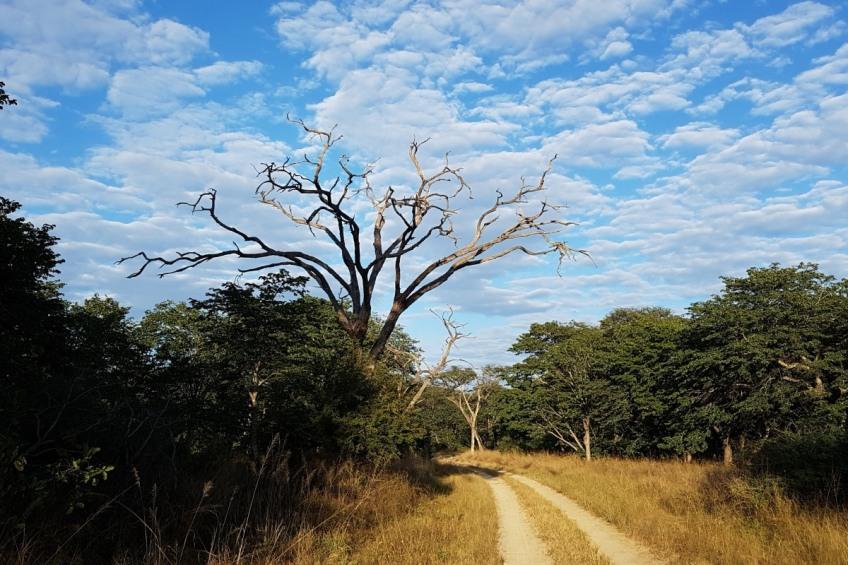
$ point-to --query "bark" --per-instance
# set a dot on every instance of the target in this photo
(480, 446)
(687, 457)
(587, 438)
(728, 451)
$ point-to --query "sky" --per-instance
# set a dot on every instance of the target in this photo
(693, 139)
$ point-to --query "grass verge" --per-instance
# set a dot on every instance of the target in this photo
(458, 527)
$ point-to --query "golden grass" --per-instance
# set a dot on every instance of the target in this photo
(415, 512)
(563, 539)
(459, 527)
(451, 520)
(696, 513)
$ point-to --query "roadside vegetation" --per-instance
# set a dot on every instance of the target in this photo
(689, 513)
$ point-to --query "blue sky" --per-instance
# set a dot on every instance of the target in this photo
(695, 139)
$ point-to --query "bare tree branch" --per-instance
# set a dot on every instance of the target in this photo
(425, 376)
(417, 216)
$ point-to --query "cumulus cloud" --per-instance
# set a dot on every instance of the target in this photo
(681, 153)
(790, 26)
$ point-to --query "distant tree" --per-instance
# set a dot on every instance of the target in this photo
(638, 353)
(468, 390)
(514, 413)
(563, 373)
(762, 355)
(5, 99)
(299, 191)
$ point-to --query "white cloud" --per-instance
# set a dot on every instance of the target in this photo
(698, 135)
(73, 44)
(27, 123)
(790, 26)
(600, 145)
(343, 40)
(156, 91)
(666, 204)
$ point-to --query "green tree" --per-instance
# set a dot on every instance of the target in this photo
(761, 356)
(638, 353)
(51, 416)
(5, 99)
(575, 400)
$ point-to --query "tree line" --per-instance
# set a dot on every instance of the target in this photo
(760, 369)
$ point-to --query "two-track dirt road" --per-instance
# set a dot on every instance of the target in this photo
(520, 545)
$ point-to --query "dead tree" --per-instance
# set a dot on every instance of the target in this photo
(468, 391)
(425, 374)
(364, 251)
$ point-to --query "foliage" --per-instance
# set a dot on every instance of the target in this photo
(812, 467)
(100, 404)
(113, 425)
(767, 354)
(5, 99)
(765, 357)
(563, 374)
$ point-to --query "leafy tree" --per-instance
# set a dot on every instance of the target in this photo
(51, 413)
(761, 356)
(514, 413)
(253, 360)
(637, 354)
(563, 372)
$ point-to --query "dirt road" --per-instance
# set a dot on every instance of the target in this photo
(521, 546)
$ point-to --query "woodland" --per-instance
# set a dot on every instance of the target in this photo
(199, 430)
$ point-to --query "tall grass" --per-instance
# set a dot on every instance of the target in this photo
(279, 511)
(691, 513)
(460, 527)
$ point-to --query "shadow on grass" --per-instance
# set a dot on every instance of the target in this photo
(811, 469)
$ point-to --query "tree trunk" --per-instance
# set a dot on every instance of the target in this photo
(472, 425)
(687, 457)
(728, 451)
(386, 331)
(587, 438)
(478, 440)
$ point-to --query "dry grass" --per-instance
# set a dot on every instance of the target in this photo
(426, 514)
(697, 513)
(319, 512)
(563, 539)
(459, 527)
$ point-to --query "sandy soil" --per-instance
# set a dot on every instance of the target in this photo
(519, 545)
(613, 544)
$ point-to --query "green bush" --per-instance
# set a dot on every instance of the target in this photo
(810, 467)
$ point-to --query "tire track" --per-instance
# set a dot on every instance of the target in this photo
(612, 543)
(519, 544)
